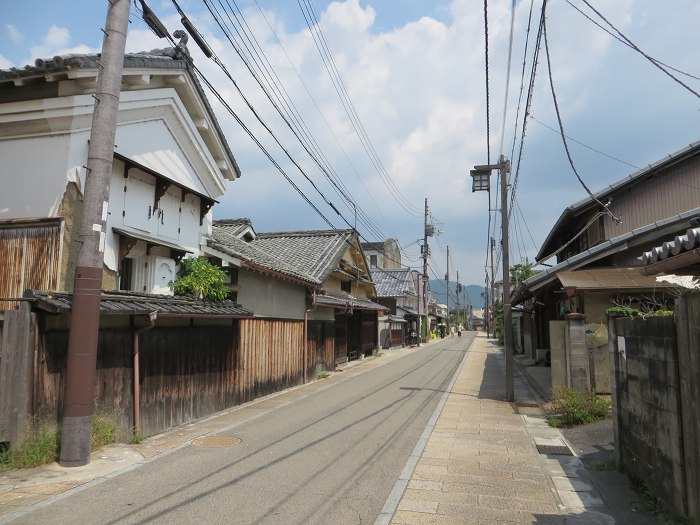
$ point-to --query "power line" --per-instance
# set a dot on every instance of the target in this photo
(586, 145)
(333, 72)
(323, 117)
(627, 43)
(561, 126)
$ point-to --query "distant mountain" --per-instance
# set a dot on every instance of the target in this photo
(472, 291)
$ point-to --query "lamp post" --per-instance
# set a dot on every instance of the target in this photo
(481, 181)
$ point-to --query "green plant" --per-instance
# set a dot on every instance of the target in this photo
(38, 448)
(42, 443)
(104, 428)
(498, 321)
(322, 375)
(554, 422)
(654, 505)
(136, 439)
(199, 278)
(578, 408)
(608, 466)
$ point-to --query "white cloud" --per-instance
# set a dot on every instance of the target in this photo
(56, 41)
(13, 33)
(5, 63)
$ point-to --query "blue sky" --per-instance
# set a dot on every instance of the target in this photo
(415, 72)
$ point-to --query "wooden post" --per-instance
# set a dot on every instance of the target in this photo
(17, 373)
(688, 338)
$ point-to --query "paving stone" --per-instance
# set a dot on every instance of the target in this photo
(478, 512)
(417, 518)
(425, 485)
(586, 500)
(414, 505)
(544, 507)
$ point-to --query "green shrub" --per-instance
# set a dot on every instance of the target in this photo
(38, 448)
(201, 279)
(43, 444)
(579, 408)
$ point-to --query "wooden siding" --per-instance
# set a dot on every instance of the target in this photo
(30, 255)
(321, 341)
(186, 372)
(271, 356)
(660, 197)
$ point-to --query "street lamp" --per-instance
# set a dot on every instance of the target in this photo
(481, 182)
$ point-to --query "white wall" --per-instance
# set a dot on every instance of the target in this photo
(271, 297)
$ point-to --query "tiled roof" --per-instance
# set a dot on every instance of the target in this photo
(168, 58)
(233, 226)
(680, 255)
(224, 240)
(343, 300)
(393, 283)
(130, 303)
(680, 244)
(599, 251)
(314, 253)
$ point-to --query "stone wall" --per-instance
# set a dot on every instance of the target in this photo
(647, 405)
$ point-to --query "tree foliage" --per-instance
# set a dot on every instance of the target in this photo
(521, 272)
(199, 278)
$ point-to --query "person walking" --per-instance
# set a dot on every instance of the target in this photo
(459, 330)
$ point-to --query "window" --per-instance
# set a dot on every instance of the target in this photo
(373, 261)
(125, 274)
(346, 286)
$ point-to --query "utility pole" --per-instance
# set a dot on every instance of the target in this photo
(507, 323)
(425, 271)
(79, 403)
(493, 290)
(481, 176)
(447, 278)
(458, 289)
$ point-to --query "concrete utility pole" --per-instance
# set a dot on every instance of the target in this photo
(79, 402)
(447, 278)
(425, 269)
(481, 176)
(507, 323)
(493, 289)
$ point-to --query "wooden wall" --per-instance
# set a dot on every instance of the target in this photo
(186, 372)
(321, 340)
(271, 356)
(30, 255)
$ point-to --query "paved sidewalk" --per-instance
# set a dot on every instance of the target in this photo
(480, 465)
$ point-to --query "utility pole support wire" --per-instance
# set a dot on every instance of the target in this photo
(79, 403)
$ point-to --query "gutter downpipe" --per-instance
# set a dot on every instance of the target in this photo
(137, 391)
(306, 331)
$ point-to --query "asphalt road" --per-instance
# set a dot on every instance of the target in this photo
(331, 457)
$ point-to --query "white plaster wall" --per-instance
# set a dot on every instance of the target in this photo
(270, 297)
(152, 144)
(33, 177)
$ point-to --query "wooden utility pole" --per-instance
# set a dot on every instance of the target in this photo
(79, 393)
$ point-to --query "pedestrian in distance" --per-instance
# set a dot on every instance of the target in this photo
(459, 330)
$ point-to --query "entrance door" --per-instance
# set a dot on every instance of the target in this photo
(341, 339)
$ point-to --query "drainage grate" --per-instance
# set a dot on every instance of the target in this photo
(216, 442)
(555, 450)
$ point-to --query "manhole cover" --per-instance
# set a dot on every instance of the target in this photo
(556, 450)
(216, 442)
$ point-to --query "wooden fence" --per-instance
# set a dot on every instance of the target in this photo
(30, 252)
(186, 372)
